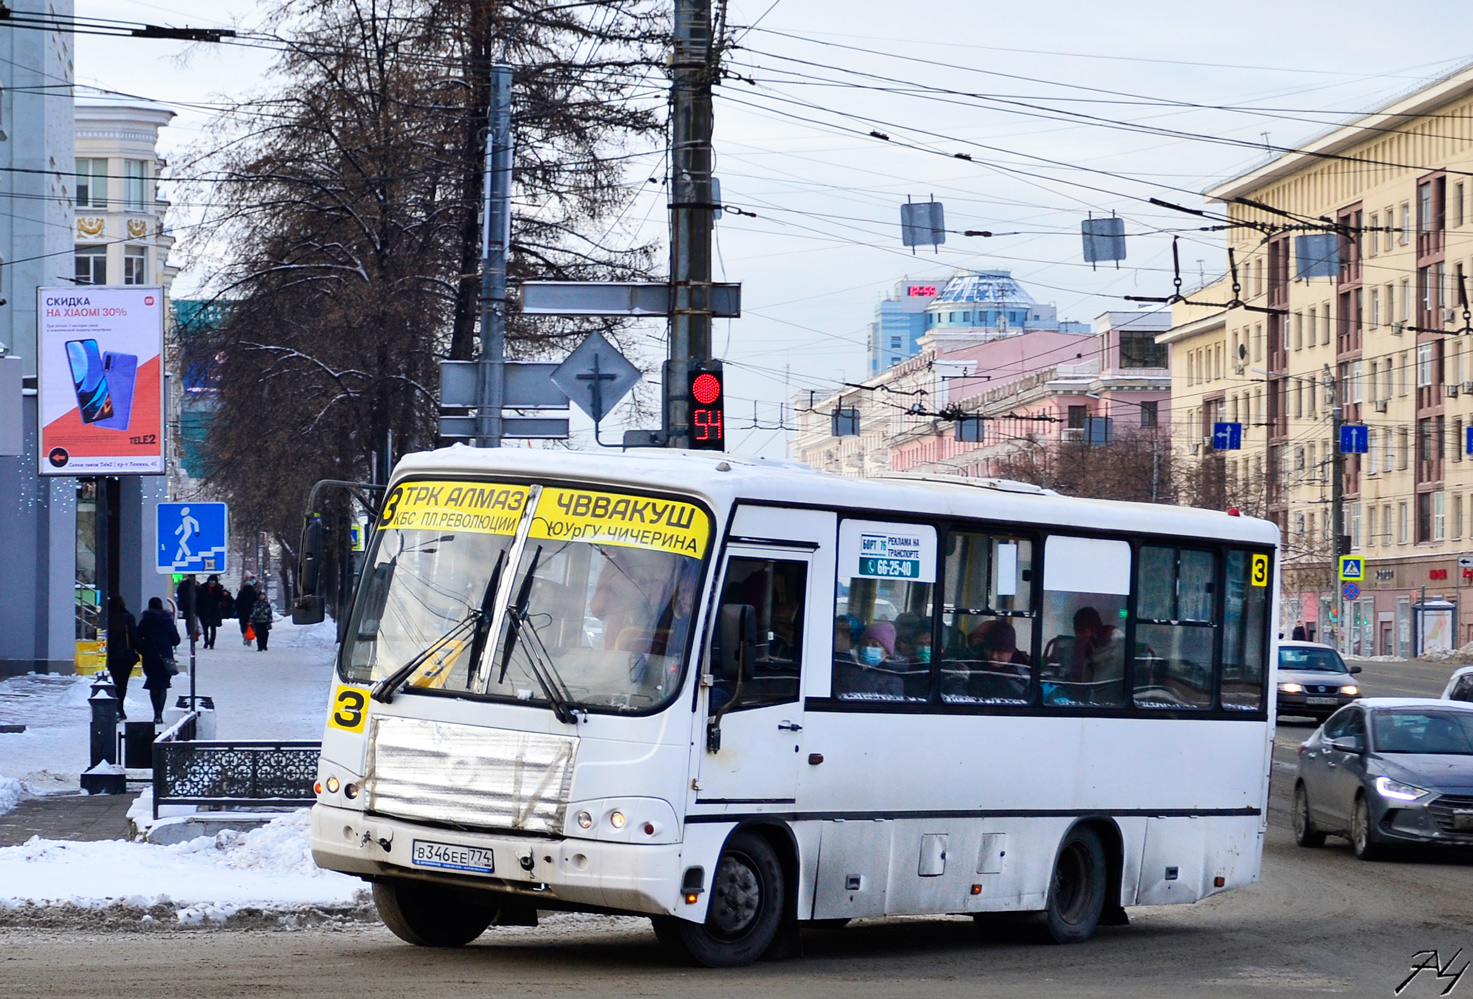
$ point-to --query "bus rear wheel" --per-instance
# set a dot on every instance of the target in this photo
(1076, 895)
(744, 912)
(429, 915)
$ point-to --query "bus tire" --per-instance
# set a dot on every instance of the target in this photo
(1076, 894)
(744, 912)
(429, 916)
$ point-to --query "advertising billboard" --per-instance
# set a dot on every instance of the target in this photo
(100, 383)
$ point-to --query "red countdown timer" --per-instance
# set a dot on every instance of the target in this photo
(704, 397)
(921, 291)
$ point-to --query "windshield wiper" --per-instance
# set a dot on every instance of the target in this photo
(518, 611)
(384, 690)
(536, 652)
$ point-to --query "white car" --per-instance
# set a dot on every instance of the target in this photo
(1459, 685)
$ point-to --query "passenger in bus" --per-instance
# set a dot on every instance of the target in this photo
(1001, 669)
(912, 658)
(644, 600)
(1098, 660)
(872, 674)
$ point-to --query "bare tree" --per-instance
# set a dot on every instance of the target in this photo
(348, 200)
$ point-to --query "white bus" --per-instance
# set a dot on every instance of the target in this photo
(738, 696)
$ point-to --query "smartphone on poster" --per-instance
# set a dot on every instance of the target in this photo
(121, 372)
(89, 378)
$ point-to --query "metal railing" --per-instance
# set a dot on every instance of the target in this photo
(230, 774)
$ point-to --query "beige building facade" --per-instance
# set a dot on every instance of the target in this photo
(1385, 335)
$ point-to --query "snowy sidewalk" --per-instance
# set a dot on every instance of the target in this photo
(279, 694)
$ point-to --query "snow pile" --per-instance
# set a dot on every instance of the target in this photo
(206, 879)
(10, 794)
(318, 637)
(1460, 656)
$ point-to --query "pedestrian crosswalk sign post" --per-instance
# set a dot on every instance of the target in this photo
(1352, 569)
(192, 537)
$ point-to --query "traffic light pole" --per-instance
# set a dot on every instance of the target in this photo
(1337, 504)
(691, 209)
(495, 244)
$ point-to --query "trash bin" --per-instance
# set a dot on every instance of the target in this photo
(138, 745)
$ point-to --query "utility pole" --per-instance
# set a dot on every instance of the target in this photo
(691, 208)
(495, 244)
(1337, 501)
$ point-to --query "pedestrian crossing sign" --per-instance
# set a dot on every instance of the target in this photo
(1352, 569)
(191, 537)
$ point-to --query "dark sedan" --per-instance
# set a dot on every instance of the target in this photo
(1388, 770)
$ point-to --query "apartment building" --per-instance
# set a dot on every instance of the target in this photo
(1374, 320)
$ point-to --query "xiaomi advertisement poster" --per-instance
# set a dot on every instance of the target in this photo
(101, 380)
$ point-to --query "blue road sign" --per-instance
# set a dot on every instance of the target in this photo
(1351, 591)
(1227, 437)
(1354, 439)
(191, 537)
(1468, 443)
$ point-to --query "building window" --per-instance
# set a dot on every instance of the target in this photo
(1406, 298)
(1077, 415)
(133, 185)
(1372, 440)
(91, 265)
(1403, 436)
(1456, 523)
(1402, 527)
(1457, 204)
(895, 343)
(1374, 235)
(1404, 231)
(1439, 516)
(1424, 365)
(1370, 527)
(1386, 523)
(1140, 350)
(135, 265)
(1355, 526)
(1148, 414)
(1455, 444)
(966, 317)
(1424, 518)
(1299, 523)
(91, 183)
(1375, 307)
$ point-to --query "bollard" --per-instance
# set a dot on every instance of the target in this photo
(104, 725)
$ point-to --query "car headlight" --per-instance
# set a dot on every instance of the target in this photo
(1291, 688)
(1389, 788)
(1350, 691)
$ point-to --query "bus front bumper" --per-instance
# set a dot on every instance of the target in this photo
(636, 878)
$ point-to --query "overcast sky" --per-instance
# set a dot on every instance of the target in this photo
(1061, 105)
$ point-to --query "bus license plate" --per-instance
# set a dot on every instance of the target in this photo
(452, 857)
(1325, 701)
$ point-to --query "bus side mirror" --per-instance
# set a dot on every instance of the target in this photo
(736, 641)
(309, 607)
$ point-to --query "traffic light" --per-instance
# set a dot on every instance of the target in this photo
(705, 399)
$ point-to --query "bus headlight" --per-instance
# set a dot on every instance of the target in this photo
(616, 819)
(585, 821)
(648, 821)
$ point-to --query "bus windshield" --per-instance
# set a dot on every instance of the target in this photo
(432, 562)
(602, 602)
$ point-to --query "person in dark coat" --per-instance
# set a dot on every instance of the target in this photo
(211, 609)
(122, 647)
(187, 596)
(157, 638)
(245, 602)
(261, 620)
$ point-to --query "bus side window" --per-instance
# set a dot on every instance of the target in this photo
(776, 590)
(1244, 629)
(1175, 607)
(1085, 583)
(987, 620)
(1464, 690)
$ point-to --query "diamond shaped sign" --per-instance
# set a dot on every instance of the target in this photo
(595, 376)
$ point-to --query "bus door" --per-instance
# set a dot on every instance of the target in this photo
(754, 734)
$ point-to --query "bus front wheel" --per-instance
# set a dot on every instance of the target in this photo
(1076, 895)
(744, 912)
(430, 916)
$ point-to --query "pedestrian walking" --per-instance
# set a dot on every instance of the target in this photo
(245, 602)
(157, 638)
(122, 647)
(261, 620)
(187, 596)
(211, 609)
